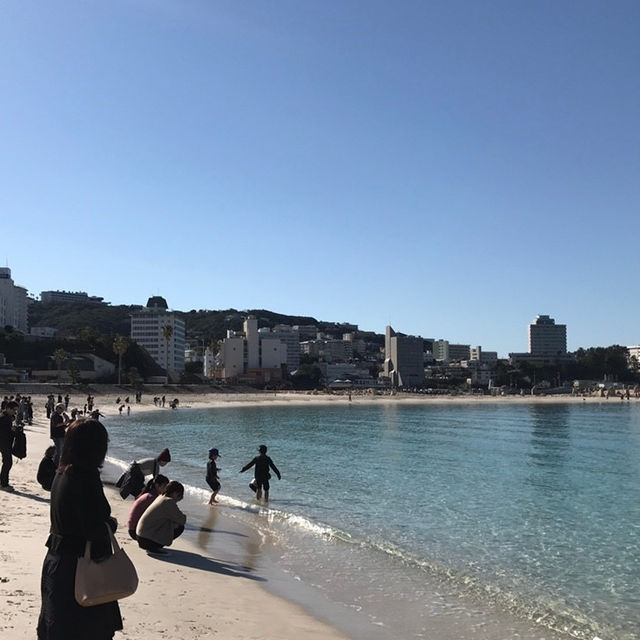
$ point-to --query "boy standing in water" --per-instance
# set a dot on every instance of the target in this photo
(212, 474)
(262, 463)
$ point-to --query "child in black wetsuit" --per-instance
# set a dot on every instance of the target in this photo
(212, 474)
(262, 464)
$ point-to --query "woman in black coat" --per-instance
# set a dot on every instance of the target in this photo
(79, 512)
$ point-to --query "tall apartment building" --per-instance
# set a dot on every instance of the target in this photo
(13, 302)
(546, 338)
(403, 359)
(147, 329)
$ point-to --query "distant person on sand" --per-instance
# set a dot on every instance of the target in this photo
(57, 426)
(6, 442)
(151, 491)
(152, 465)
(212, 474)
(162, 522)
(262, 464)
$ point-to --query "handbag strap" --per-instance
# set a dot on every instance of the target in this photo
(114, 543)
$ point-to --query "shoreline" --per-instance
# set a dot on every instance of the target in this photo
(192, 396)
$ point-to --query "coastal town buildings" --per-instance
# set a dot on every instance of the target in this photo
(633, 357)
(480, 355)
(444, 351)
(162, 333)
(13, 303)
(251, 356)
(327, 349)
(290, 337)
(70, 296)
(404, 359)
(546, 338)
(547, 343)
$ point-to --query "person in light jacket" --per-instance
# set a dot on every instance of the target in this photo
(163, 521)
(152, 490)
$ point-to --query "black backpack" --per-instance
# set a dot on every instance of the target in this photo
(131, 482)
(19, 449)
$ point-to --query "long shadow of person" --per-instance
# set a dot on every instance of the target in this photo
(31, 496)
(196, 561)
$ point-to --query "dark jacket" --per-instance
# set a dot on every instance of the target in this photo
(6, 432)
(262, 463)
(79, 511)
(56, 425)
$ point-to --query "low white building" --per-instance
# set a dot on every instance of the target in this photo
(480, 355)
(633, 352)
(70, 296)
(43, 332)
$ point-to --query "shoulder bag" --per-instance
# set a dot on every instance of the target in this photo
(112, 579)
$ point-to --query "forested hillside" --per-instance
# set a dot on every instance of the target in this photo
(206, 325)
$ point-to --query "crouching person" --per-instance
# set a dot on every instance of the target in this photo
(163, 521)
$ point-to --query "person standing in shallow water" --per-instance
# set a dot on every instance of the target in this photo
(212, 474)
(262, 463)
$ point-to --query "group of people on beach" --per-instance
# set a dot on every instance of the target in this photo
(80, 512)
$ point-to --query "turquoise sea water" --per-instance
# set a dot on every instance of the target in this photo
(529, 509)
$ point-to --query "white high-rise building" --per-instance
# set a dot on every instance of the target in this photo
(165, 346)
(546, 338)
(13, 303)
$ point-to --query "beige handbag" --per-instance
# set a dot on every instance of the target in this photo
(99, 582)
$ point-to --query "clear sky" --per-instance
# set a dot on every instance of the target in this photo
(451, 168)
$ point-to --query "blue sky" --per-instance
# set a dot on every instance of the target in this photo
(452, 168)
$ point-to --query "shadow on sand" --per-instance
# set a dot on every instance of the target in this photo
(31, 496)
(196, 561)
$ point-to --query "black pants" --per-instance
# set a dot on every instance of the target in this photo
(151, 545)
(7, 463)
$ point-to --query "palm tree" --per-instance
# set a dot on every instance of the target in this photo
(60, 355)
(167, 332)
(120, 346)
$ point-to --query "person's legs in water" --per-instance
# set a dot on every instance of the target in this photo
(263, 485)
